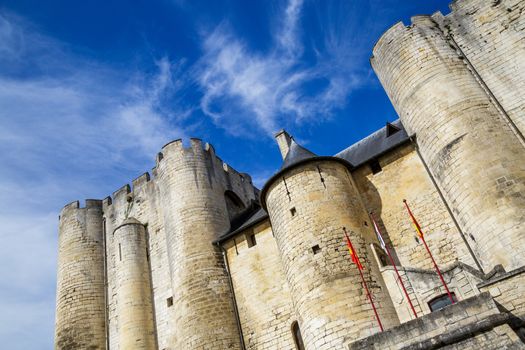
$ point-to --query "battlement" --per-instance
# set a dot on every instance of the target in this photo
(197, 146)
(140, 181)
(89, 204)
(399, 30)
(457, 8)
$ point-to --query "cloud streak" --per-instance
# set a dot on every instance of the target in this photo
(70, 126)
(244, 90)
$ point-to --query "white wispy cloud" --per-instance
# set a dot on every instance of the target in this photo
(245, 91)
(69, 128)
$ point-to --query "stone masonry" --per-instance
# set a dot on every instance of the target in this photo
(193, 256)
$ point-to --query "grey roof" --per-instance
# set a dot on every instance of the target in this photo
(375, 144)
(295, 154)
(372, 146)
(258, 215)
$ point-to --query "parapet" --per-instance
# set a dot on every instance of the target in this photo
(199, 149)
(89, 204)
(457, 326)
(140, 181)
(398, 31)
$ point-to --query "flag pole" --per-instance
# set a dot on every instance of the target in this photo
(355, 258)
(392, 261)
(420, 232)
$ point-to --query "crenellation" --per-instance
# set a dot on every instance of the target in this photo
(121, 195)
(140, 181)
(72, 205)
(106, 202)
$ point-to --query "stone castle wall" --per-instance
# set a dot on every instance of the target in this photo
(403, 176)
(308, 208)
(80, 308)
(476, 158)
(262, 293)
(160, 282)
(192, 187)
(490, 35)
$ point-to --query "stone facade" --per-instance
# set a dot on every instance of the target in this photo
(194, 256)
(465, 139)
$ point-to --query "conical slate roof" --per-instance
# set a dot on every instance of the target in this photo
(295, 154)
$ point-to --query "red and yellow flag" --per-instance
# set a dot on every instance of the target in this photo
(353, 253)
(414, 221)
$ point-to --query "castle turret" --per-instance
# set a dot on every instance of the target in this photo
(134, 299)
(309, 201)
(472, 152)
(80, 309)
(192, 183)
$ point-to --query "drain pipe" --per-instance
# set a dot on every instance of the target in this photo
(234, 300)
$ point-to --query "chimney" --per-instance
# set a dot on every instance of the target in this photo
(283, 141)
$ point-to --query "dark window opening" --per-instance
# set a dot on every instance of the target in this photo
(298, 339)
(251, 240)
(293, 211)
(316, 249)
(441, 301)
(119, 252)
(169, 301)
(391, 129)
(375, 166)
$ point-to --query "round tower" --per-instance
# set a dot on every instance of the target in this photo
(309, 201)
(134, 299)
(192, 187)
(476, 159)
(80, 308)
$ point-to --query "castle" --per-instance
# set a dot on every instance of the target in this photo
(196, 257)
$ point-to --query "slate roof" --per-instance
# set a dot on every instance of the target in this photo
(372, 146)
(375, 144)
(255, 216)
(296, 154)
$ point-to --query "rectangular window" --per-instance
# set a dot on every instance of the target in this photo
(169, 301)
(316, 249)
(119, 252)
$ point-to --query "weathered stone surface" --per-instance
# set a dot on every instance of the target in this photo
(308, 206)
(134, 300)
(472, 152)
(80, 310)
(470, 324)
(161, 281)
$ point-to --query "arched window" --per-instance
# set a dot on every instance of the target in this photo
(441, 301)
(298, 339)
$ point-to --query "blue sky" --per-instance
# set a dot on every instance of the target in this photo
(91, 90)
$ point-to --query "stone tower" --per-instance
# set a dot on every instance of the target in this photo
(309, 201)
(136, 328)
(193, 183)
(473, 152)
(80, 310)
